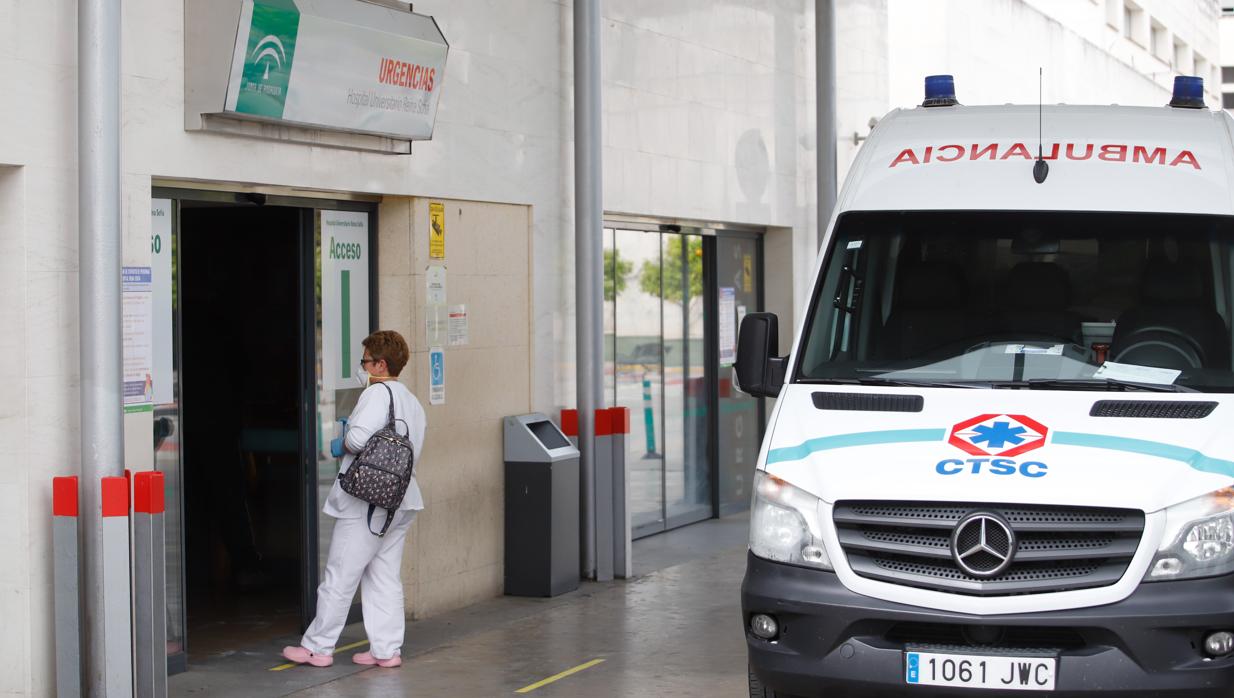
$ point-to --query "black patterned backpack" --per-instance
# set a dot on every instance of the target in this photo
(381, 473)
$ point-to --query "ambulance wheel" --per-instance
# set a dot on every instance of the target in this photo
(758, 690)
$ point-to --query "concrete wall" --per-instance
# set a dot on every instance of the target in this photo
(454, 554)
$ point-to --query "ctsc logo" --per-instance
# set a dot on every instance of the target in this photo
(995, 438)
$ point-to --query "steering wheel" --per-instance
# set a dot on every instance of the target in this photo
(1161, 347)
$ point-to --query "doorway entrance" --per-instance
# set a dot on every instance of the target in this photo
(240, 352)
(243, 446)
(673, 297)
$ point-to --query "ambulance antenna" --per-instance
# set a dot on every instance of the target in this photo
(1041, 168)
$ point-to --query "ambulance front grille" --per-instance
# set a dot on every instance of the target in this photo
(1058, 548)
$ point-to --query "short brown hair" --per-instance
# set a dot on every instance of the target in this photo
(390, 346)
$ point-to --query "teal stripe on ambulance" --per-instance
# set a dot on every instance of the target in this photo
(1190, 456)
(865, 438)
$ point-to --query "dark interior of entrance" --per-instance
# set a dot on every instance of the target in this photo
(241, 351)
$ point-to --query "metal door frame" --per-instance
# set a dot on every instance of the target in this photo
(713, 353)
(307, 359)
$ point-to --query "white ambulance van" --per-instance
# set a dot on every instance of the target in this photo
(1002, 454)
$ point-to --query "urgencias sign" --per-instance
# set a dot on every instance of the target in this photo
(343, 65)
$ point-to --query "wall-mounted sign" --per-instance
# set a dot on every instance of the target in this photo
(138, 339)
(161, 297)
(437, 231)
(344, 296)
(337, 64)
(436, 376)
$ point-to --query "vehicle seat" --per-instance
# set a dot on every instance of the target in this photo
(928, 312)
(1037, 297)
(1175, 325)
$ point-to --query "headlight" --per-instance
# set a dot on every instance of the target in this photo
(1198, 540)
(784, 524)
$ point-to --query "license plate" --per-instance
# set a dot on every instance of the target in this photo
(980, 671)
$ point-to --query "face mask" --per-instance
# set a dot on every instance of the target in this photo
(363, 378)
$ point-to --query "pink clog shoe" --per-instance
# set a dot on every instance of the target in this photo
(367, 659)
(300, 655)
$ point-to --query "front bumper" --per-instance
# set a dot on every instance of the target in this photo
(838, 643)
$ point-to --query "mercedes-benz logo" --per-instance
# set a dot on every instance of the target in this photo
(983, 544)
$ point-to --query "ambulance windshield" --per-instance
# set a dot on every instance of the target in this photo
(1058, 300)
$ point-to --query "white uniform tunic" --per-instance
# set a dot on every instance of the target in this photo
(358, 558)
(369, 416)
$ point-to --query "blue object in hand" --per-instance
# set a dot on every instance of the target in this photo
(336, 445)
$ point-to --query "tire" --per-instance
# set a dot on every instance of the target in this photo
(758, 690)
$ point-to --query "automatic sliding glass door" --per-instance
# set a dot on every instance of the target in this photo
(638, 371)
(654, 353)
(687, 473)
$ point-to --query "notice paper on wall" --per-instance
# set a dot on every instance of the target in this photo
(436, 376)
(160, 279)
(435, 285)
(458, 332)
(136, 321)
(436, 324)
(344, 296)
(728, 325)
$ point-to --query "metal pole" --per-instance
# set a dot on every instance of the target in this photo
(588, 259)
(825, 106)
(102, 421)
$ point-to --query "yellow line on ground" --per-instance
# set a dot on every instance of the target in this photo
(558, 677)
(352, 646)
(344, 648)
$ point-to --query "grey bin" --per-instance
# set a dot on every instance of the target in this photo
(542, 515)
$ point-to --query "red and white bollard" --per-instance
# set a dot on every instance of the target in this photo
(66, 574)
(623, 562)
(603, 469)
(117, 623)
(149, 586)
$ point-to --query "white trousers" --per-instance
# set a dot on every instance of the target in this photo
(359, 558)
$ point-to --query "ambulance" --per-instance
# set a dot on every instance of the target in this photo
(1001, 457)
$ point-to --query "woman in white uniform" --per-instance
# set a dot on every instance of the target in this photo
(359, 557)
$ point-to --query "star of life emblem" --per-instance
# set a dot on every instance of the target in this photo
(998, 435)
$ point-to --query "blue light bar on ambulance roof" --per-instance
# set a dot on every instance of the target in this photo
(1188, 92)
(939, 91)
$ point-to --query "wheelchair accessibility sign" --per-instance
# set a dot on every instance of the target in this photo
(437, 376)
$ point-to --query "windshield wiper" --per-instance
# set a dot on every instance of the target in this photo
(901, 382)
(1093, 384)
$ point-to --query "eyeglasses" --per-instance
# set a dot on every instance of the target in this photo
(368, 361)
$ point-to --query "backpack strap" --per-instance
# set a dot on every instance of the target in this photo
(390, 416)
(385, 527)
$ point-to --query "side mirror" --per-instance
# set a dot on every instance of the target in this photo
(759, 371)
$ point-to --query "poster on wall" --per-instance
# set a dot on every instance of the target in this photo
(161, 296)
(728, 325)
(435, 284)
(436, 376)
(344, 296)
(138, 339)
